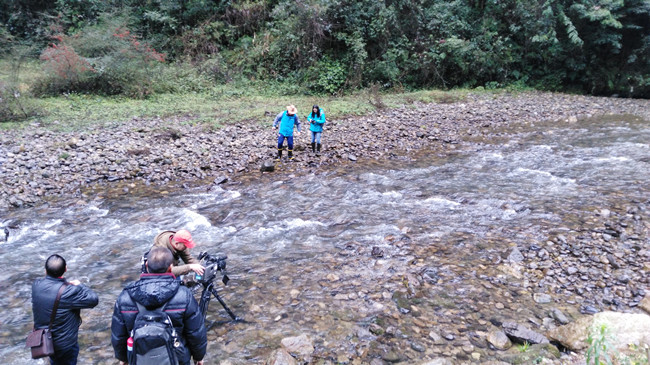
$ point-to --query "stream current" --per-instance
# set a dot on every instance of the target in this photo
(334, 254)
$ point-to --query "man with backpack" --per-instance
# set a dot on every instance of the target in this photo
(156, 320)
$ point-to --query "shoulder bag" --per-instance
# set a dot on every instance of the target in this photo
(40, 340)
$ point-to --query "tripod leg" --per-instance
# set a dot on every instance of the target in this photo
(205, 299)
(223, 304)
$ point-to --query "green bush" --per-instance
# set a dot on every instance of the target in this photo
(106, 58)
(329, 76)
(6, 40)
(15, 106)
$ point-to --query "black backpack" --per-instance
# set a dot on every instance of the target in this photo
(154, 338)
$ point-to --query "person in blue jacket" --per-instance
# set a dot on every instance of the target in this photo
(287, 120)
(316, 121)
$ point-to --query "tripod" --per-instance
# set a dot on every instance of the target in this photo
(208, 291)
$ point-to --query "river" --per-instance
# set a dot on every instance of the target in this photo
(369, 260)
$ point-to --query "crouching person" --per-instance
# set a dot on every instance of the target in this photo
(156, 320)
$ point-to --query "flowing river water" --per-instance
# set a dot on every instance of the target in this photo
(374, 261)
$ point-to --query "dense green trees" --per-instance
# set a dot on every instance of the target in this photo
(594, 46)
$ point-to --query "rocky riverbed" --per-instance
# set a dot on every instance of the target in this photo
(386, 266)
(37, 163)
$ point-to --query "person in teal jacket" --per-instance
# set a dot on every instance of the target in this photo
(287, 120)
(316, 119)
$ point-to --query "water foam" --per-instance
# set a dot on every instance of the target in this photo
(552, 177)
(192, 220)
(438, 201)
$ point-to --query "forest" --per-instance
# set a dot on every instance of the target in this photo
(136, 48)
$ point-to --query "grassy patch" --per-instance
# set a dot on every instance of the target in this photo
(237, 102)
(24, 73)
(219, 107)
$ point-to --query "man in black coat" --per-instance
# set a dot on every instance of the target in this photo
(155, 288)
(65, 327)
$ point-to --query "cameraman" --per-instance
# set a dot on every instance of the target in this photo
(179, 244)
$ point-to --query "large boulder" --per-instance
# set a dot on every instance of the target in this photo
(623, 328)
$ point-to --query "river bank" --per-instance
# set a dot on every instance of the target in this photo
(38, 164)
(475, 249)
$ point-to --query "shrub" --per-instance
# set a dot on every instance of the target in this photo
(6, 39)
(130, 67)
(106, 58)
(15, 106)
(15, 102)
(66, 69)
(329, 76)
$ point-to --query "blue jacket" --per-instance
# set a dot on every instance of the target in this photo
(316, 122)
(152, 291)
(67, 320)
(287, 123)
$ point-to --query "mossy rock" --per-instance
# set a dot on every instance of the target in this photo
(532, 355)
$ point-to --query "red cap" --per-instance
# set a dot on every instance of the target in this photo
(185, 237)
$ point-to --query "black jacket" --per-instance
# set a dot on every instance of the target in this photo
(67, 321)
(152, 291)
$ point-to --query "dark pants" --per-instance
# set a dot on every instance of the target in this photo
(66, 356)
(281, 141)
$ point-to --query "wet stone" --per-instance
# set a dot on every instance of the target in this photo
(542, 298)
(391, 356)
(418, 347)
(437, 339)
(588, 309)
(559, 316)
(522, 334)
(499, 340)
(448, 336)
(515, 256)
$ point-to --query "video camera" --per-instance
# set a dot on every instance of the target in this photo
(213, 265)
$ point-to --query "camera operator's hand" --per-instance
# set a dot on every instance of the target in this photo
(123, 363)
(197, 268)
(74, 282)
(198, 362)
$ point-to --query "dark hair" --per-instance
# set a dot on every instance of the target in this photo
(317, 113)
(159, 259)
(55, 266)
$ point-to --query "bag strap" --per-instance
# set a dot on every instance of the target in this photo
(56, 305)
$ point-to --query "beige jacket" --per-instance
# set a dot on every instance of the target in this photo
(163, 239)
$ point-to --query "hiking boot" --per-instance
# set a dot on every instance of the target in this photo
(313, 147)
(279, 157)
(318, 149)
(290, 154)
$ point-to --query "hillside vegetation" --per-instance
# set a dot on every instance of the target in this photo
(139, 49)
